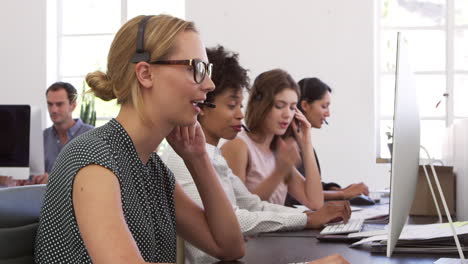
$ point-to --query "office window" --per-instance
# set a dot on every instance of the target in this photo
(85, 30)
(437, 31)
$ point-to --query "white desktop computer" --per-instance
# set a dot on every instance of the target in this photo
(405, 154)
(406, 143)
(21, 141)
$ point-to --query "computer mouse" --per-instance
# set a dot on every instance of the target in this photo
(361, 200)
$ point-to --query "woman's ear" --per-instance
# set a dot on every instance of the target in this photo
(143, 74)
(305, 106)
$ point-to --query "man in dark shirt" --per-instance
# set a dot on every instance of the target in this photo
(61, 101)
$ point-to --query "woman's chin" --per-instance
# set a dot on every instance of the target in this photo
(186, 122)
(281, 132)
(230, 136)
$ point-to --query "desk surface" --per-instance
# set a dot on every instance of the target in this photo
(303, 246)
(299, 249)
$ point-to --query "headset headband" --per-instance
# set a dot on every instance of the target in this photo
(141, 54)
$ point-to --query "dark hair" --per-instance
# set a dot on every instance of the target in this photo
(262, 95)
(312, 89)
(227, 73)
(71, 91)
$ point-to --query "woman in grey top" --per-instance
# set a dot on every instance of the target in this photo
(110, 199)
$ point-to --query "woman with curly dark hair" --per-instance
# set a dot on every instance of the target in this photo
(224, 122)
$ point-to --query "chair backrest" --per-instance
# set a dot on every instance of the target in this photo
(180, 253)
(20, 208)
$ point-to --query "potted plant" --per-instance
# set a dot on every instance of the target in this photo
(389, 139)
(87, 110)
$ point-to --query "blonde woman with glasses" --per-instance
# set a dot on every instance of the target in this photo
(110, 198)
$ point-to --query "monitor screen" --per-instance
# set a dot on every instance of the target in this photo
(14, 135)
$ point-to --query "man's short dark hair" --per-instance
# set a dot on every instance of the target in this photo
(68, 87)
(227, 73)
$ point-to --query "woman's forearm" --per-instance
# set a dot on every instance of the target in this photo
(219, 213)
(313, 186)
(333, 195)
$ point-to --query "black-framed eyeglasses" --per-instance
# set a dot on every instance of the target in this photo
(200, 68)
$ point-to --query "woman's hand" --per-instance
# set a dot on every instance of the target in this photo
(355, 190)
(301, 129)
(188, 142)
(330, 212)
(287, 155)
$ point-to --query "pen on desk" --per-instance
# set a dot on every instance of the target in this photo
(207, 104)
(245, 128)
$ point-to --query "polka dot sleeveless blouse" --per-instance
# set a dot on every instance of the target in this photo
(147, 193)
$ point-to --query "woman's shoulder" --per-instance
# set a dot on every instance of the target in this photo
(235, 145)
(108, 136)
(89, 148)
(88, 143)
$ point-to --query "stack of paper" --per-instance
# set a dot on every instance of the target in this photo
(374, 215)
(433, 238)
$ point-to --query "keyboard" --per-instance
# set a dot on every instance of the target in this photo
(353, 225)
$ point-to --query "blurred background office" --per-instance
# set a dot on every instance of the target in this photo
(351, 44)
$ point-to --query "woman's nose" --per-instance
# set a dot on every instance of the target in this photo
(239, 113)
(208, 84)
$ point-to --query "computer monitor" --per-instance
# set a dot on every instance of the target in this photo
(21, 141)
(406, 142)
(14, 140)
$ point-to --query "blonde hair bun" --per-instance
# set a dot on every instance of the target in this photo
(100, 85)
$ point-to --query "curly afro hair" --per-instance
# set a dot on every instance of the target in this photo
(227, 73)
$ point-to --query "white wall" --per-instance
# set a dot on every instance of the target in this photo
(23, 49)
(332, 40)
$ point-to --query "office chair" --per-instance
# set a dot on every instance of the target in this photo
(180, 251)
(19, 216)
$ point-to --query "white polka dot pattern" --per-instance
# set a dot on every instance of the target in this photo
(147, 193)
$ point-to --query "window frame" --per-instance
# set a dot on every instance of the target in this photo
(57, 36)
(450, 72)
